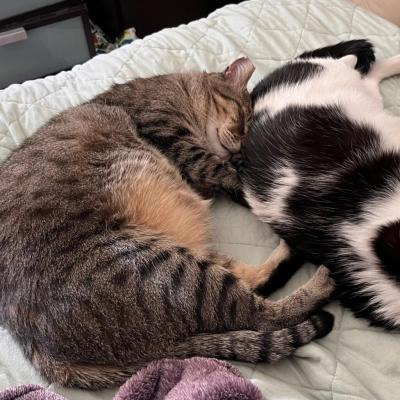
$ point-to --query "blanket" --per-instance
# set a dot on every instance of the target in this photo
(196, 378)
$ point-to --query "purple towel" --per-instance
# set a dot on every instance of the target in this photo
(29, 392)
(169, 379)
(191, 379)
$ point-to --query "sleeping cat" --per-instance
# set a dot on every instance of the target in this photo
(106, 260)
(322, 165)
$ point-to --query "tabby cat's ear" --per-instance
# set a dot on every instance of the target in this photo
(239, 72)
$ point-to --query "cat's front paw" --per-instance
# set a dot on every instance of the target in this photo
(233, 187)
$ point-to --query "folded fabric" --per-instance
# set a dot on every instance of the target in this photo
(190, 379)
(29, 392)
(169, 379)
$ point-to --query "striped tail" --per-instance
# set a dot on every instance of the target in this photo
(250, 346)
(256, 346)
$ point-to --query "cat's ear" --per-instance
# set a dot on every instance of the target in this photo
(350, 60)
(239, 72)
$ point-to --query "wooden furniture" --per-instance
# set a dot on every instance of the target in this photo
(113, 16)
(42, 37)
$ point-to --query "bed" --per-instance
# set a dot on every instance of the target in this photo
(355, 361)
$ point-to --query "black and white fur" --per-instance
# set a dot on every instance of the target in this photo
(321, 164)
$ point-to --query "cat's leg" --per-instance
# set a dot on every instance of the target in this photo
(269, 276)
(164, 302)
(311, 296)
(206, 173)
(281, 274)
(213, 176)
(253, 275)
(361, 48)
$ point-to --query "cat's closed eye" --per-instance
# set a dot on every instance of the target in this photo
(229, 112)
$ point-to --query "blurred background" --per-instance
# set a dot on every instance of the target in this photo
(42, 37)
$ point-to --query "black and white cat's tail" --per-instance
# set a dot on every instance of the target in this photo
(364, 58)
(361, 48)
(359, 54)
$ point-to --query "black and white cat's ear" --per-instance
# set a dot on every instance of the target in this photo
(350, 60)
(239, 72)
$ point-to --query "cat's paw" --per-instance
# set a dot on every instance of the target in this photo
(323, 283)
(233, 188)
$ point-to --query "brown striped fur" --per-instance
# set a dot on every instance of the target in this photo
(105, 260)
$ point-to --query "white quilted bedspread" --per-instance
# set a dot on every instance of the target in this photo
(354, 361)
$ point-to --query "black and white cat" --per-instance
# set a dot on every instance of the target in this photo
(321, 164)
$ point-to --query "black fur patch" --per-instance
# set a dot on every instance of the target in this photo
(120, 278)
(289, 74)
(387, 248)
(200, 294)
(177, 276)
(147, 266)
(323, 323)
(226, 286)
(281, 274)
(266, 346)
(361, 48)
(161, 141)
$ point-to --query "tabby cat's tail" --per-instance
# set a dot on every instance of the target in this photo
(250, 346)
(256, 346)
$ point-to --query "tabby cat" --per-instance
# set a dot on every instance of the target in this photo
(105, 261)
(322, 165)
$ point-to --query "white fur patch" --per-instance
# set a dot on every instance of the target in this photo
(339, 84)
(273, 209)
